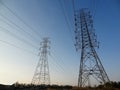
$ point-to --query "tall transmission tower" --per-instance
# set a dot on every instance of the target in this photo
(41, 75)
(91, 67)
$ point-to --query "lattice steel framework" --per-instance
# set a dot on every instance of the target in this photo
(90, 64)
(41, 75)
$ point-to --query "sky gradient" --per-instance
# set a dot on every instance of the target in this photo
(54, 19)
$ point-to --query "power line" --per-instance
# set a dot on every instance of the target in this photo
(15, 14)
(68, 15)
(11, 26)
(95, 8)
(66, 19)
(20, 28)
(53, 58)
(16, 37)
(8, 43)
(73, 5)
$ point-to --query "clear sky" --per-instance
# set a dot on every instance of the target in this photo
(19, 44)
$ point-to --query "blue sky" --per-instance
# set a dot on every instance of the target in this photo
(47, 19)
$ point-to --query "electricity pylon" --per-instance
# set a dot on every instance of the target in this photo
(41, 75)
(90, 64)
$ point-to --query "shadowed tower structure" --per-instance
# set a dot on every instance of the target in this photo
(91, 68)
(41, 75)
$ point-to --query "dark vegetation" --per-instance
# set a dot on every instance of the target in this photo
(18, 86)
(106, 86)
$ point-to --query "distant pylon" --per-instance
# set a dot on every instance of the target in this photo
(90, 64)
(41, 75)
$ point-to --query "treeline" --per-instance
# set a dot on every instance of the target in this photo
(107, 86)
(110, 85)
(18, 86)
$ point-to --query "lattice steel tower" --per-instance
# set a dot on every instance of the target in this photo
(90, 64)
(41, 75)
